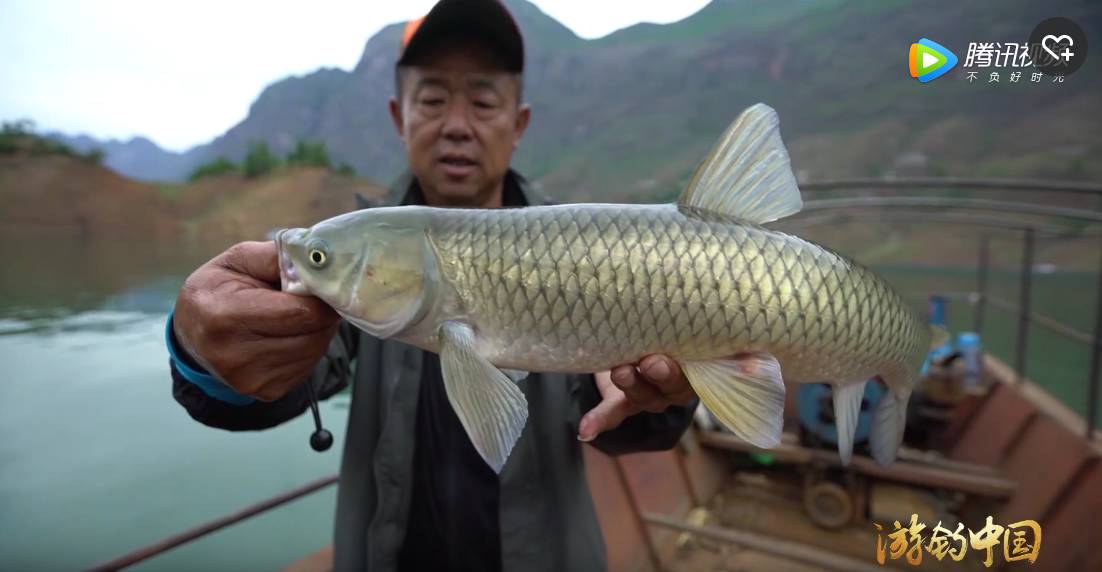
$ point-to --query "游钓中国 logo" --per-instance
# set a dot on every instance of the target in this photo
(1016, 541)
(930, 60)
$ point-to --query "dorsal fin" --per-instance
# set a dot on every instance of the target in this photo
(747, 175)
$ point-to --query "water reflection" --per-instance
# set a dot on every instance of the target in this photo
(95, 455)
(48, 277)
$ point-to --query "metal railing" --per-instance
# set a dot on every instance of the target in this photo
(988, 205)
(954, 183)
(1034, 219)
(147, 552)
(981, 296)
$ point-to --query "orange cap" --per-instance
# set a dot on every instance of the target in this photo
(411, 28)
(487, 21)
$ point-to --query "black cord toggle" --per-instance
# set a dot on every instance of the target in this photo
(320, 440)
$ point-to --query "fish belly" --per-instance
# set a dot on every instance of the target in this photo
(582, 288)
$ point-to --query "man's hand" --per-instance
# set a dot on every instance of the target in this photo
(653, 384)
(234, 321)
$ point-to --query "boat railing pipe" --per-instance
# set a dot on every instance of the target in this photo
(147, 552)
(1032, 220)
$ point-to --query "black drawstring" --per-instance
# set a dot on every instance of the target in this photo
(321, 439)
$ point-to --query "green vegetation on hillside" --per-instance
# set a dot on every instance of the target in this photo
(170, 191)
(219, 166)
(309, 153)
(346, 170)
(261, 160)
(19, 138)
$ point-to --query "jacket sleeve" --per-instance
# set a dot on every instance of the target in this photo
(640, 432)
(330, 375)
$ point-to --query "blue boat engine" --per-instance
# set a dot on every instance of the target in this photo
(815, 404)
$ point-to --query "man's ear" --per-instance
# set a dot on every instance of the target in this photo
(396, 116)
(524, 115)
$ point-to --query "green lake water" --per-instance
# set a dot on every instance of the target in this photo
(96, 458)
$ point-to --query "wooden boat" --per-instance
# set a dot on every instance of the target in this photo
(1006, 450)
(1012, 452)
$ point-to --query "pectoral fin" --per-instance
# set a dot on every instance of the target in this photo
(515, 374)
(490, 406)
(745, 393)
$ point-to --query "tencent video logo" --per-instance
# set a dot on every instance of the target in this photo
(930, 60)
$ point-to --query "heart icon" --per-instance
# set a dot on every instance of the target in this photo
(1057, 40)
(1057, 46)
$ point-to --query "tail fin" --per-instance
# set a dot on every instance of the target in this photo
(847, 406)
(888, 423)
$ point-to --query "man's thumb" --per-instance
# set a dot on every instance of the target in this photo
(608, 414)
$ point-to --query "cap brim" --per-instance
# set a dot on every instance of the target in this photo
(487, 22)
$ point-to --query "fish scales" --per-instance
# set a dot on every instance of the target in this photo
(592, 286)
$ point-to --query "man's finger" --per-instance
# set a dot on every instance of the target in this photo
(608, 414)
(270, 363)
(271, 313)
(663, 373)
(638, 390)
(684, 397)
(259, 260)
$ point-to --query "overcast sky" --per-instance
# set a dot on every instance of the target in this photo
(182, 72)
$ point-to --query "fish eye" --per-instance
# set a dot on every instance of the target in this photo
(317, 257)
(317, 253)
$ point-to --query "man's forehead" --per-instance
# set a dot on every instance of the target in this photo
(459, 77)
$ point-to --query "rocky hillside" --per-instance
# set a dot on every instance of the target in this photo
(137, 158)
(627, 116)
(64, 196)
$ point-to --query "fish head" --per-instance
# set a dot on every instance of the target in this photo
(374, 272)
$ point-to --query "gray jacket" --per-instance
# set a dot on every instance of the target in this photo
(547, 519)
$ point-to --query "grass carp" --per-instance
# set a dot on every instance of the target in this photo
(586, 287)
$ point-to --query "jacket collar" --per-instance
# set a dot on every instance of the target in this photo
(407, 191)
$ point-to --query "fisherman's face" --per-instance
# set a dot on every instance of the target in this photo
(460, 119)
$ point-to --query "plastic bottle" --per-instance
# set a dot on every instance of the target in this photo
(935, 316)
(971, 350)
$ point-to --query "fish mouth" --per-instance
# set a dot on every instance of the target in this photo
(289, 280)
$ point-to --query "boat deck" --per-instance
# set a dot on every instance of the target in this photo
(710, 505)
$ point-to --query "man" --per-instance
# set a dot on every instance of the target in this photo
(414, 494)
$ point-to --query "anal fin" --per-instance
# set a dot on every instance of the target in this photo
(744, 392)
(489, 405)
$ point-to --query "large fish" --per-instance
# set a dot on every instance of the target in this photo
(585, 287)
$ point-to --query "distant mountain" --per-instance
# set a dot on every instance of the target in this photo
(628, 116)
(64, 216)
(61, 195)
(137, 158)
